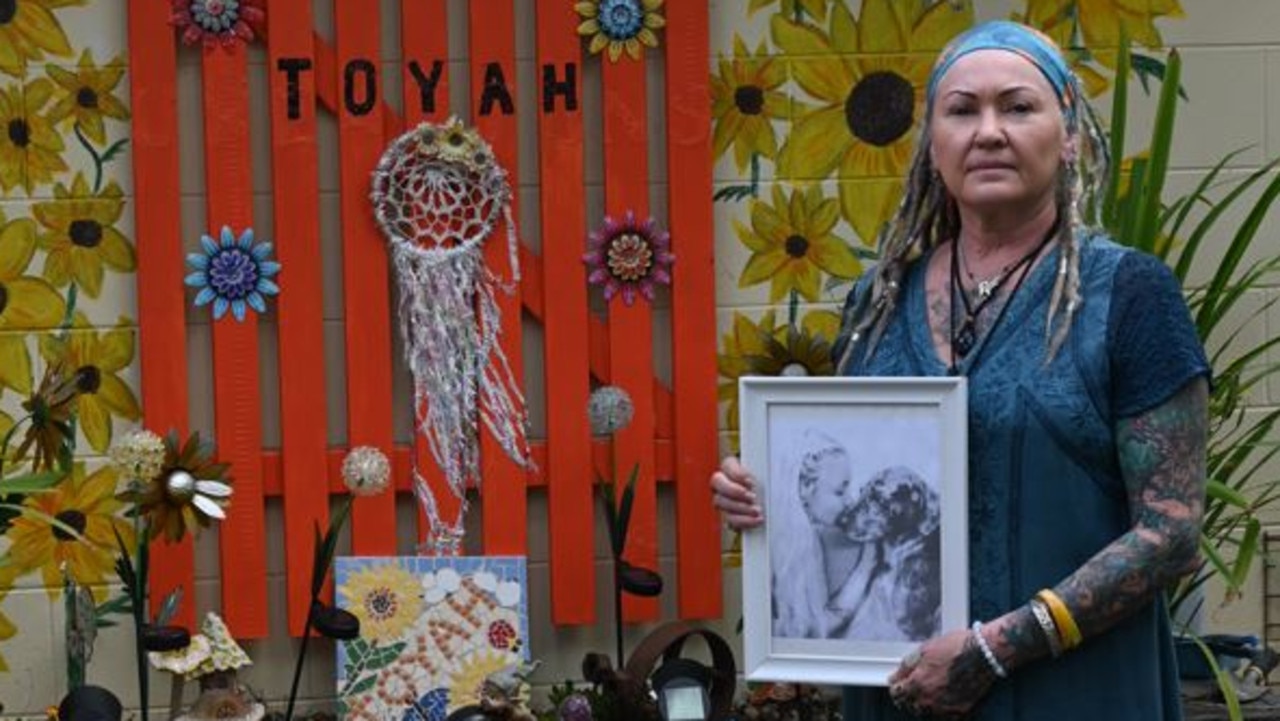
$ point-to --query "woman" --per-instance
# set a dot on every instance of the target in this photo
(1087, 399)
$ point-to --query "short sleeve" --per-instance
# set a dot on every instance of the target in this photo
(1152, 341)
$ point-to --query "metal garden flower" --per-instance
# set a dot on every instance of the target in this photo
(190, 489)
(629, 256)
(234, 274)
(620, 25)
(609, 410)
(215, 22)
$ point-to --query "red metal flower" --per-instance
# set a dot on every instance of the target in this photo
(627, 256)
(217, 22)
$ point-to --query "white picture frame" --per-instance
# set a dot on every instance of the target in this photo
(864, 549)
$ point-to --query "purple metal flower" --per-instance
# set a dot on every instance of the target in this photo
(574, 707)
(628, 256)
(233, 274)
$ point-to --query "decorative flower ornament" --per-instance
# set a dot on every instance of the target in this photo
(366, 471)
(189, 490)
(139, 456)
(628, 256)
(620, 25)
(217, 22)
(233, 274)
(609, 410)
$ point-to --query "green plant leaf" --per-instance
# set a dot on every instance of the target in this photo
(364, 685)
(1220, 491)
(1148, 209)
(32, 482)
(1245, 553)
(1119, 119)
(625, 507)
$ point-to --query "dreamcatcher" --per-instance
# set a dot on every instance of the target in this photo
(438, 193)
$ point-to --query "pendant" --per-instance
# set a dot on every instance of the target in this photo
(987, 287)
(963, 341)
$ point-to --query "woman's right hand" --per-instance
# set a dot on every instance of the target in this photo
(733, 492)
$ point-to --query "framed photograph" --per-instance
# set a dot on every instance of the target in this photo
(864, 549)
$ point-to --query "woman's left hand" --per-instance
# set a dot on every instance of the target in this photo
(945, 678)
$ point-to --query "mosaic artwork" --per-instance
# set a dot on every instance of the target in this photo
(433, 630)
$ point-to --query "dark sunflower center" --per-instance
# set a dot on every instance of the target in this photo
(797, 246)
(73, 519)
(87, 97)
(4, 297)
(381, 603)
(19, 133)
(88, 379)
(881, 108)
(8, 9)
(749, 99)
(85, 233)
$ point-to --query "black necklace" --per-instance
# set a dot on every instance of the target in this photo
(965, 338)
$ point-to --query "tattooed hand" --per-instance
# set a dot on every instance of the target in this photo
(946, 680)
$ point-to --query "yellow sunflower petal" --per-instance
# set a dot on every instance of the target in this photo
(598, 43)
(589, 27)
(749, 238)
(867, 205)
(32, 304)
(15, 364)
(117, 348)
(633, 47)
(879, 29)
(94, 130)
(33, 21)
(761, 267)
(844, 30)
(800, 276)
(726, 132)
(615, 51)
(95, 421)
(798, 38)
(117, 396)
(63, 77)
(939, 24)
(86, 268)
(587, 9)
(825, 323)
(646, 37)
(817, 143)
(834, 256)
(17, 245)
(57, 267)
(116, 251)
(823, 216)
(757, 137)
(112, 108)
(769, 223)
(654, 21)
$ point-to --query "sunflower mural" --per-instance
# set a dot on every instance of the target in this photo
(816, 105)
(63, 232)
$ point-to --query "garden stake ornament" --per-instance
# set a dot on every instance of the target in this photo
(438, 194)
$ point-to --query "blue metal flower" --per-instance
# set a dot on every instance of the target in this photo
(621, 19)
(233, 273)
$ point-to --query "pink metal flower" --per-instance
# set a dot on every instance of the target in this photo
(628, 256)
(217, 22)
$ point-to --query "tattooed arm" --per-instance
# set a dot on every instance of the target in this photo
(1162, 458)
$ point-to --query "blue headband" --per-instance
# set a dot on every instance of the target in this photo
(1016, 38)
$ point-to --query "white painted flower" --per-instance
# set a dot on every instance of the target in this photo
(509, 593)
(485, 581)
(449, 580)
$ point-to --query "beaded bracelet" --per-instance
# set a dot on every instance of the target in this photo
(1062, 618)
(1043, 617)
(987, 653)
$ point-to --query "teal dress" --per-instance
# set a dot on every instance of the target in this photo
(1045, 487)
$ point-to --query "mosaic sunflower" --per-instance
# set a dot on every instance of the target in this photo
(7, 631)
(28, 30)
(31, 149)
(618, 25)
(87, 504)
(868, 79)
(745, 338)
(745, 102)
(190, 489)
(467, 683)
(386, 598)
(95, 361)
(792, 243)
(87, 96)
(26, 303)
(81, 237)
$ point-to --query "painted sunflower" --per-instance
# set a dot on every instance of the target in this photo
(7, 631)
(31, 149)
(26, 303)
(191, 488)
(792, 244)
(86, 503)
(745, 338)
(95, 361)
(618, 25)
(50, 410)
(86, 95)
(81, 237)
(386, 598)
(816, 9)
(745, 101)
(28, 30)
(868, 78)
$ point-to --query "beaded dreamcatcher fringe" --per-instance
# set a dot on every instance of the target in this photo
(438, 194)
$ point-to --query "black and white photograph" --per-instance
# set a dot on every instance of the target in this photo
(857, 475)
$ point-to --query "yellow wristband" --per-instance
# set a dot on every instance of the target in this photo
(1062, 618)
